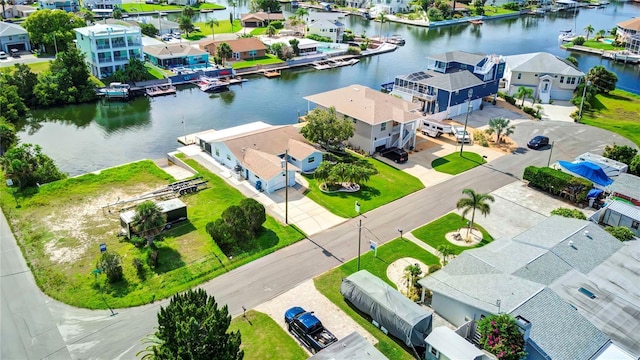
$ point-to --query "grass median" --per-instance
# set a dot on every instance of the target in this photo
(59, 227)
(454, 163)
(329, 285)
(434, 233)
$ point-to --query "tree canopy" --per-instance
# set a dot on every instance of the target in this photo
(622, 153)
(8, 136)
(27, 166)
(324, 127)
(500, 126)
(569, 213)
(193, 327)
(11, 104)
(500, 335)
(53, 28)
(602, 78)
(238, 226)
(620, 232)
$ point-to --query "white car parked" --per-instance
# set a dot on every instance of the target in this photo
(3, 55)
(462, 135)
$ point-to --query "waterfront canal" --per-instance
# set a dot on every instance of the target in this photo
(83, 138)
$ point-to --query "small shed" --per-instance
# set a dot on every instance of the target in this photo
(444, 343)
(352, 347)
(174, 209)
(619, 213)
(400, 316)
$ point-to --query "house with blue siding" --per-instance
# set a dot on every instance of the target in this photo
(65, 5)
(109, 47)
(256, 152)
(174, 55)
(452, 83)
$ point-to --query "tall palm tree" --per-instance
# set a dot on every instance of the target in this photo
(589, 29)
(149, 220)
(500, 126)
(382, 18)
(185, 24)
(233, 4)
(300, 14)
(601, 33)
(211, 23)
(474, 201)
(224, 51)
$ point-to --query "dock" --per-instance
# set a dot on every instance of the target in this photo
(271, 74)
(160, 90)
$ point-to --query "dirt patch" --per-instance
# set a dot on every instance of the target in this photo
(72, 225)
(505, 105)
(395, 272)
(463, 237)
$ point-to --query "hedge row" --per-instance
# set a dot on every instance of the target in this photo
(555, 181)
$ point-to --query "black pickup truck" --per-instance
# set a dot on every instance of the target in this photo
(395, 154)
(308, 329)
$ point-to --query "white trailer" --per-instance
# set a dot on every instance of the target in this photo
(435, 128)
(610, 167)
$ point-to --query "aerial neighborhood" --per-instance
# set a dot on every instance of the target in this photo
(289, 180)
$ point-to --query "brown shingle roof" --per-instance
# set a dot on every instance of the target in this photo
(164, 51)
(631, 24)
(262, 164)
(262, 16)
(237, 46)
(367, 105)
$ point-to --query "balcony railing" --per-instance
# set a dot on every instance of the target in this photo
(416, 93)
(103, 46)
(104, 60)
(118, 45)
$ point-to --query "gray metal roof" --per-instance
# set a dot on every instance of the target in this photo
(630, 211)
(462, 57)
(459, 80)
(626, 184)
(452, 345)
(559, 329)
(542, 62)
(351, 347)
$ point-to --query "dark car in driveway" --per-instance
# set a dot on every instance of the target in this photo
(395, 154)
(538, 142)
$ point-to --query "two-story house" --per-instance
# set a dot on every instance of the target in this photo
(381, 120)
(102, 4)
(453, 83)
(65, 5)
(550, 77)
(13, 36)
(108, 48)
(629, 32)
(173, 55)
(332, 29)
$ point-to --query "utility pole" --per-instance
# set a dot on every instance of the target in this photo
(464, 133)
(584, 93)
(550, 151)
(286, 186)
(359, 232)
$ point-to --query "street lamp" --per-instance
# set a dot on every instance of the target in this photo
(466, 119)
(359, 232)
(584, 93)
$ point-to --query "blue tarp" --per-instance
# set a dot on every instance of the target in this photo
(593, 193)
(588, 170)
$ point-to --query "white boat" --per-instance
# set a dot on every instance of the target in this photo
(566, 36)
(115, 90)
(212, 84)
(321, 65)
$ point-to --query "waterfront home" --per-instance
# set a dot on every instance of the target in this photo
(557, 281)
(182, 2)
(256, 152)
(102, 4)
(381, 120)
(13, 36)
(550, 77)
(108, 47)
(387, 6)
(453, 83)
(305, 46)
(629, 32)
(327, 28)
(163, 25)
(18, 11)
(64, 5)
(173, 55)
(243, 49)
(260, 19)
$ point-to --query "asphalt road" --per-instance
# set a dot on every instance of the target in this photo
(98, 335)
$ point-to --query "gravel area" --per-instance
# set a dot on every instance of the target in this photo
(306, 296)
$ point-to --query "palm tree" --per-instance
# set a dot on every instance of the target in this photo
(473, 202)
(523, 93)
(185, 24)
(149, 220)
(224, 51)
(382, 18)
(300, 14)
(233, 4)
(600, 34)
(211, 23)
(271, 30)
(589, 29)
(500, 126)
(188, 11)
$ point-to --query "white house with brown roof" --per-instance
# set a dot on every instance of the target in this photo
(256, 152)
(629, 32)
(242, 49)
(172, 55)
(381, 120)
(260, 19)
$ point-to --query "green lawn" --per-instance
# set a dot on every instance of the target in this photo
(454, 164)
(224, 26)
(388, 185)
(434, 232)
(35, 67)
(593, 44)
(616, 112)
(329, 285)
(264, 339)
(156, 72)
(143, 7)
(496, 10)
(259, 31)
(269, 59)
(60, 225)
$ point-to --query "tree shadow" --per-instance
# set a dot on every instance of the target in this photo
(266, 240)
(178, 230)
(596, 104)
(168, 259)
(439, 162)
(117, 290)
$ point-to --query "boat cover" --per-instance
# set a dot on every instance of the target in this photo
(403, 318)
(593, 193)
(587, 170)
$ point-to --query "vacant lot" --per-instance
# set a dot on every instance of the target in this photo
(617, 112)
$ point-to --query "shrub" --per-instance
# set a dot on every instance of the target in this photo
(480, 137)
(277, 24)
(511, 6)
(569, 213)
(110, 264)
(138, 242)
(500, 335)
(353, 50)
(510, 99)
(319, 38)
(140, 270)
(238, 226)
(620, 232)
(579, 40)
(622, 153)
(529, 110)
(554, 181)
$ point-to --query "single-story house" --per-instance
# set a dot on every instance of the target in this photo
(549, 76)
(557, 281)
(256, 152)
(306, 46)
(381, 120)
(163, 25)
(618, 213)
(626, 186)
(13, 36)
(243, 49)
(628, 28)
(18, 11)
(260, 19)
(327, 28)
(453, 83)
(182, 2)
(172, 55)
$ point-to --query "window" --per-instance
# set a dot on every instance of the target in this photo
(292, 159)
(561, 79)
(217, 152)
(433, 351)
(383, 126)
(228, 157)
(635, 224)
(519, 76)
(311, 160)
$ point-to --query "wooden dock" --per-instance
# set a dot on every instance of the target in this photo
(160, 90)
(271, 74)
